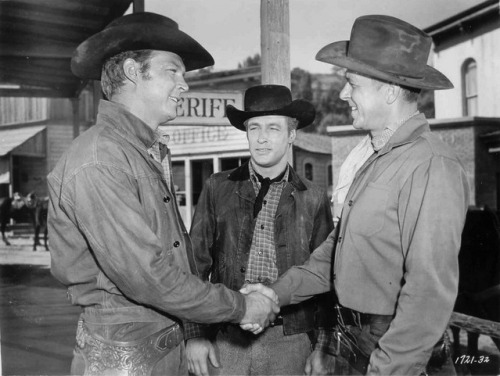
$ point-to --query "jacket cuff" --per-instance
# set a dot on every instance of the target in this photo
(284, 295)
(326, 342)
(240, 307)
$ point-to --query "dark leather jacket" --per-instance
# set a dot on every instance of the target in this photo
(116, 237)
(223, 226)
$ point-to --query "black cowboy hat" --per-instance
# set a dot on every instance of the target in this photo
(263, 100)
(387, 49)
(137, 31)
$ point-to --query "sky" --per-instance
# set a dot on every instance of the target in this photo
(230, 29)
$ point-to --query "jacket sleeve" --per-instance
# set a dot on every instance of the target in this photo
(432, 208)
(300, 283)
(203, 230)
(104, 204)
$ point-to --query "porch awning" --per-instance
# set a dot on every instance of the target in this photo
(15, 137)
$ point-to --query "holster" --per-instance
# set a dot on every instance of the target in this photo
(132, 358)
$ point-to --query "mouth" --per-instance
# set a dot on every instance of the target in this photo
(175, 99)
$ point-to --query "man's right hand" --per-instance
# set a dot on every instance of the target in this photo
(260, 312)
(198, 350)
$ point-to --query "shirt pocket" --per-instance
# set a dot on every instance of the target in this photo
(367, 216)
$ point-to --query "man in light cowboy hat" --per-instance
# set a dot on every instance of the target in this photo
(117, 240)
(251, 224)
(395, 249)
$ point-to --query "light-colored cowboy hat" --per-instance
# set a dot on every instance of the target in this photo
(137, 31)
(388, 49)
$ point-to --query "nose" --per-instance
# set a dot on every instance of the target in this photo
(345, 94)
(183, 86)
(262, 137)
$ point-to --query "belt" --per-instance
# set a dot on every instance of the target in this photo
(348, 316)
(277, 321)
(105, 357)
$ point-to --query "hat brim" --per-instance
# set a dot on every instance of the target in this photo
(336, 54)
(91, 54)
(299, 109)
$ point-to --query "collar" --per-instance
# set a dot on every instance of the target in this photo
(127, 124)
(407, 133)
(242, 173)
(162, 137)
(380, 140)
(254, 175)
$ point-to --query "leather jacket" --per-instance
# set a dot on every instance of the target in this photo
(223, 225)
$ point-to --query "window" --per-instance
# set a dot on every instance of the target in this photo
(308, 171)
(470, 88)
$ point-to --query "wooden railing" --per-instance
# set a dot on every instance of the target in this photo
(475, 324)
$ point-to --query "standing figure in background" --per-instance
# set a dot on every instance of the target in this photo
(251, 225)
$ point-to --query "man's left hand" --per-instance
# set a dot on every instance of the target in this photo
(320, 363)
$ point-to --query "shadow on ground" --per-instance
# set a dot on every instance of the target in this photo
(37, 323)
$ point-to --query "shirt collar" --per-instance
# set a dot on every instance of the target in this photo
(255, 179)
(381, 139)
(127, 124)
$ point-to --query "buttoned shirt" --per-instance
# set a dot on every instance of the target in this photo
(262, 261)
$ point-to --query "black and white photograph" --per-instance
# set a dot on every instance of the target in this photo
(249, 187)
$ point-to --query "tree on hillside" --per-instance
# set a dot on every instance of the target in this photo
(323, 91)
(250, 61)
(301, 84)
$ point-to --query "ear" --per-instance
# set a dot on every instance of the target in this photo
(131, 69)
(392, 93)
(291, 136)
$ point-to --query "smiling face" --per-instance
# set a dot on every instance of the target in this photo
(269, 139)
(158, 90)
(367, 100)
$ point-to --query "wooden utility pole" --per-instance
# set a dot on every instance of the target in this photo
(275, 42)
(275, 45)
(138, 6)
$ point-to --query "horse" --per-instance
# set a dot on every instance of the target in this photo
(479, 280)
(29, 209)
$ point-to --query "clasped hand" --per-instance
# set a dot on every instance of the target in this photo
(261, 307)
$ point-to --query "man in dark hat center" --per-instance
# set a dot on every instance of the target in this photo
(251, 224)
(403, 200)
(117, 240)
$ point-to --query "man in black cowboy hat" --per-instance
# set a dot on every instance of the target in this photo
(117, 240)
(395, 250)
(251, 225)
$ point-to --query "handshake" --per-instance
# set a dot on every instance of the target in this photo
(261, 307)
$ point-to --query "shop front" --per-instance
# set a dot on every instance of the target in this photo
(202, 142)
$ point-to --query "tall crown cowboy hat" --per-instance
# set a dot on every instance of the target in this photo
(137, 31)
(387, 49)
(264, 100)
